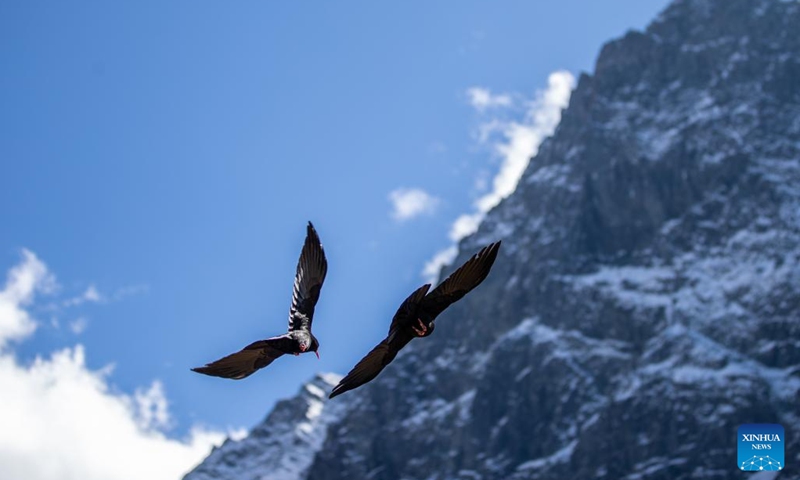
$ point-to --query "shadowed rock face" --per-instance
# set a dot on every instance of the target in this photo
(646, 301)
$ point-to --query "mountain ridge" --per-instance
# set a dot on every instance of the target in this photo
(645, 301)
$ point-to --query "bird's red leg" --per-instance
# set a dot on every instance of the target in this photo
(422, 330)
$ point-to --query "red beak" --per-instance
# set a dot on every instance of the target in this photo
(317, 354)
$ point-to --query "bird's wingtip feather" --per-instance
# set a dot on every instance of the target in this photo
(312, 235)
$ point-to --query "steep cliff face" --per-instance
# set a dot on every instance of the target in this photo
(646, 300)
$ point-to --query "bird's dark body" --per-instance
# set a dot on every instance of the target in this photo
(311, 270)
(289, 343)
(416, 317)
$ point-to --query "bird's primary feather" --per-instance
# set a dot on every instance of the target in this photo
(461, 282)
(312, 267)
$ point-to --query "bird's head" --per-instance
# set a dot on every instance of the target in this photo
(312, 345)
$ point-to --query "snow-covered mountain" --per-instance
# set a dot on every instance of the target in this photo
(283, 446)
(645, 303)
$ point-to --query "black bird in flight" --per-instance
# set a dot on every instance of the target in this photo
(311, 270)
(416, 315)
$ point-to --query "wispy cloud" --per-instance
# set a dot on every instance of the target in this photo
(93, 295)
(129, 291)
(78, 325)
(89, 295)
(58, 409)
(408, 203)
(482, 99)
(514, 142)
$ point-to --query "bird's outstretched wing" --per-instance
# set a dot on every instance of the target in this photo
(460, 282)
(245, 362)
(399, 335)
(368, 368)
(311, 270)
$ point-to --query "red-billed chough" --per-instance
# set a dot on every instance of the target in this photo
(311, 270)
(415, 317)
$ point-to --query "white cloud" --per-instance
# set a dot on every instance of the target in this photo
(91, 294)
(408, 203)
(152, 407)
(22, 283)
(519, 142)
(465, 225)
(482, 99)
(432, 268)
(62, 420)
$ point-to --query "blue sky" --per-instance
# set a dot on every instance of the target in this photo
(165, 156)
